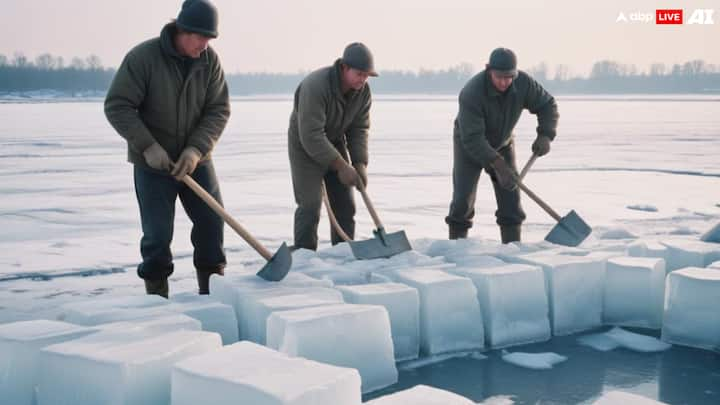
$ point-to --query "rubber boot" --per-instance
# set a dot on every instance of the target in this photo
(457, 233)
(203, 277)
(510, 233)
(157, 287)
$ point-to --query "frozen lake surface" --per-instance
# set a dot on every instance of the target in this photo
(640, 165)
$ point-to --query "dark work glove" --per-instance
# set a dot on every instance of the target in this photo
(186, 164)
(504, 174)
(541, 146)
(156, 157)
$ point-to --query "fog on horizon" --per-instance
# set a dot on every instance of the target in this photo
(291, 36)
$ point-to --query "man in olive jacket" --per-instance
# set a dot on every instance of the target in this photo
(169, 100)
(490, 106)
(329, 129)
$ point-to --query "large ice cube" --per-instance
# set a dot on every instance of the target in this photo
(116, 368)
(103, 310)
(403, 307)
(153, 325)
(259, 310)
(647, 249)
(214, 316)
(345, 335)
(692, 300)
(634, 291)
(421, 395)
(690, 253)
(237, 291)
(575, 289)
(450, 318)
(20, 345)
(247, 373)
(513, 302)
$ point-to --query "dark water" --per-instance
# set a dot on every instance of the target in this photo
(679, 375)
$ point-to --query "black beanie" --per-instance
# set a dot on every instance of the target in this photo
(198, 16)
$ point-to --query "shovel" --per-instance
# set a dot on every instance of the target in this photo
(382, 245)
(277, 265)
(570, 230)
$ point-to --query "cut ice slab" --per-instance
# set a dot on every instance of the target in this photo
(645, 248)
(634, 291)
(103, 310)
(345, 335)
(20, 345)
(248, 373)
(690, 253)
(575, 289)
(692, 299)
(403, 305)
(513, 302)
(535, 361)
(213, 316)
(450, 317)
(117, 368)
(422, 395)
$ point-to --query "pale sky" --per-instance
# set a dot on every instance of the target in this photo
(291, 36)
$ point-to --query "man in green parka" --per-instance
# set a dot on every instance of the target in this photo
(328, 142)
(490, 106)
(169, 100)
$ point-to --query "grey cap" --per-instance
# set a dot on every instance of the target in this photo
(503, 61)
(200, 17)
(358, 56)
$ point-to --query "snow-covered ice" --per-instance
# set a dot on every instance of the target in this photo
(403, 306)
(247, 373)
(634, 292)
(20, 345)
(116, 368)
(346, 335)
(513, 302)
(535, 361)
(422, 395)
(450, 318)
(692, 299)
(575, 289)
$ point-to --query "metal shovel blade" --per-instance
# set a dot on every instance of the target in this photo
(570, 231)
(382, 245)
(278, 266)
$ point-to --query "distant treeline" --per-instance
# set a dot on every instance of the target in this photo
(47, 72)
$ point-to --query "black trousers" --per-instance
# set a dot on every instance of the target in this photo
(156, 195)
(466, 173)
(307, 179)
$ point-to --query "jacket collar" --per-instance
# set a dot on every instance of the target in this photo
(335, 75)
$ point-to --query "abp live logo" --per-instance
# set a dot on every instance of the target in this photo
(675, 16)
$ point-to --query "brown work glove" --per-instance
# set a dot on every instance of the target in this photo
(541, 146)
(504, 174)
(361, 170)
(346, 173)
(156, 157)
(187, 162)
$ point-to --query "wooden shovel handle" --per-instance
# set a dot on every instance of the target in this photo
(539, 202)
(369, 205)
(205, 196)
(331, 216)
(528, 165)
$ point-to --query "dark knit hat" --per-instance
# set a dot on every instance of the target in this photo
(503, 61)
(198, 16)
(359, 57)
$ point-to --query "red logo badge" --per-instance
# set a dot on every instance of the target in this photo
(669, 16)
